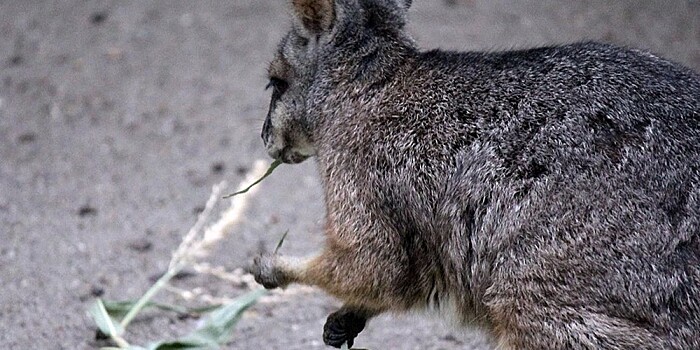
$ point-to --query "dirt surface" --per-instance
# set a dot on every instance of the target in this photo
(117, 117)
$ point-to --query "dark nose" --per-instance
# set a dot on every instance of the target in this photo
(266, 130)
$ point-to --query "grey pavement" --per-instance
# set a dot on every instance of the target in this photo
(117, 117)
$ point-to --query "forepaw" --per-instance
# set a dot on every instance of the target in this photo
(342, 327)
(266, 272)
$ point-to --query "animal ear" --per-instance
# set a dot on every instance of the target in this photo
(316, 16)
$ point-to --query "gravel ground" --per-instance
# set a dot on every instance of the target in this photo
(117, 117)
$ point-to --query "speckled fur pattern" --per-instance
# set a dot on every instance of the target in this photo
(550, 195)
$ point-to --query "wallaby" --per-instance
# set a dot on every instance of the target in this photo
(549, 196)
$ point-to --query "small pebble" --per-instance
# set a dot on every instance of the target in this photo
(452, 339)
(240, 170)
(179, 276)
(97, 291)
(87, 210)
(217, 168)
(16, 60)
(98, 17)
(183, 275)
(140, 245)
(27, 137)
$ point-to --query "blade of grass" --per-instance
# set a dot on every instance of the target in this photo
(279, 244)
(269, 171)
(106, 324)
(103, 320)
(220, 322)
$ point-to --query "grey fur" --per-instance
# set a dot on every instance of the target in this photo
(551, 194)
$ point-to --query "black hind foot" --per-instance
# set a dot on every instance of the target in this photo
(342, 327)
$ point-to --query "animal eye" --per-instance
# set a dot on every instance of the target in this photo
(278, 85)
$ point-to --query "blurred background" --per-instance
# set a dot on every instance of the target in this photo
(117, 117)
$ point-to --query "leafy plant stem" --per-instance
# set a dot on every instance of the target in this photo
(117, 339)
(160, 283)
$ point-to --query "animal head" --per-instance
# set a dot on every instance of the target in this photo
(331, 42)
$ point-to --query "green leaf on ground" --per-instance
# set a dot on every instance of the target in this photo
(104, 320)
(217, 328)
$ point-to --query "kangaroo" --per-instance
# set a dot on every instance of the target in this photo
(548, 196)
